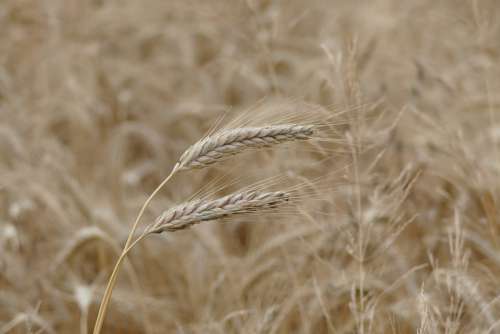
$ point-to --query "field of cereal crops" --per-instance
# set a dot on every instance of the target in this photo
(327, 166)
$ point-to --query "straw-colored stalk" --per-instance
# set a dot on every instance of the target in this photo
(212, 149)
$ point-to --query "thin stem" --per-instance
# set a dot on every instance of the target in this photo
(141, 213)
(83, 321)
(128, 246)
(111, 283)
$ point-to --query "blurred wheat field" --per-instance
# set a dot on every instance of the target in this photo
(98, 100)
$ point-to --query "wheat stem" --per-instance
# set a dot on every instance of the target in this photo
(128, 245)
(203, 153)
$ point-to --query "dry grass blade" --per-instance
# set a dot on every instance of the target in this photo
(194, 212)
(230, 142)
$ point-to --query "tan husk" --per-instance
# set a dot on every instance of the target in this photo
(197, 211)
(226, 143)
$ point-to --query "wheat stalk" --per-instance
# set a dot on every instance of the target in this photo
(206, 152)
(230, 142)
(197, 211)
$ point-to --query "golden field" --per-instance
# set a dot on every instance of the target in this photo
(395, 225)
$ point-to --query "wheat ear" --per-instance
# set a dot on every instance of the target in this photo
(197, 211)
(205, 152)
(226, 143)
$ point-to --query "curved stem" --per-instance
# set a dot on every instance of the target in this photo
(128, 246)
(146, 203)
(111, 283)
